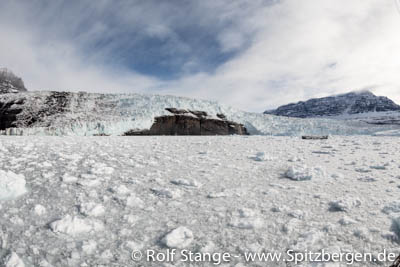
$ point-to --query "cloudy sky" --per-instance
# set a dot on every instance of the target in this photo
(254, 54)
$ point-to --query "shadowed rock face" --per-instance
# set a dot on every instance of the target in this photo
(187, 122)
(9, 112)
(12, 115)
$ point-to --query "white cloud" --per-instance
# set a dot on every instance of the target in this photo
(58, 66)
(311, 48)
(287, 51)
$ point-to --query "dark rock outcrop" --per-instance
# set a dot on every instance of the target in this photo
(351, 103)
(9, 83)
(14, 114)
(8, 113)
(315, 137)
(188, 122)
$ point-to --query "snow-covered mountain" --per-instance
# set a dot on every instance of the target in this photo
(338, 105)
(67, 113)
(10, 83)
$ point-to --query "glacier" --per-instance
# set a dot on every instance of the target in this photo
(89, 114)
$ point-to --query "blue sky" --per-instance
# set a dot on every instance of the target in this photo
(253, 55)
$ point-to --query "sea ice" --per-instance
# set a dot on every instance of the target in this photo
(11, 185)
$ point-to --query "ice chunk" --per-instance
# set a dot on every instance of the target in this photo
(122, 190)
(221, 194)
(246, 223)
(101, 168)
(247, 219)
(392, 207)
(165, 192)
(396, 226)
(344, 204)
(347, 221)
(298, 214)
(184, 182)
(133, 245)
(69, 179)
(74, 226)
(262, 156)
(303, 173)
(378, 167)
(308, 240)
(246, 213)
(92, 209)
(134, 201)
(89, 247)
(290, 226)
(13, 260)
(180, 238)
(39, 210)
(11, 185)
(362, 233)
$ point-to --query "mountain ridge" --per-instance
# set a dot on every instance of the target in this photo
(355, 102)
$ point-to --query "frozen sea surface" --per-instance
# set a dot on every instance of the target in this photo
(91, 201)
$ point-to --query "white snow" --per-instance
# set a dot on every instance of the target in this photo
(12, 185)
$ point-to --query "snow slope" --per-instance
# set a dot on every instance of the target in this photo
(112, 114)
(92, 201)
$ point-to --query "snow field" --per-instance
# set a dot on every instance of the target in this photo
(92, 201)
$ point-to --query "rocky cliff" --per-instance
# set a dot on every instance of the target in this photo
(345, 104)
(189, 122)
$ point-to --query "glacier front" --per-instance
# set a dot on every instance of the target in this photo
(87, 114)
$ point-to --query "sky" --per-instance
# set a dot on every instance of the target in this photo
(253, 55)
